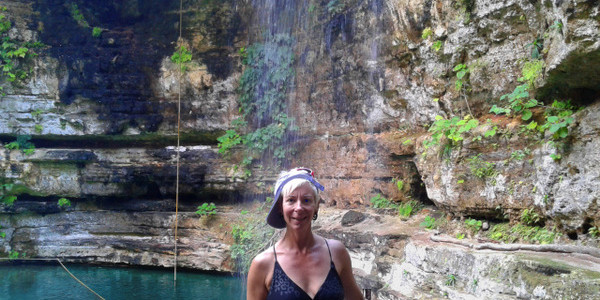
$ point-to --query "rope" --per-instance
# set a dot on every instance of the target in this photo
(178, 130)
(63, 266)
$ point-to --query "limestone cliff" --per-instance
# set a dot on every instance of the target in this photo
(367, 81)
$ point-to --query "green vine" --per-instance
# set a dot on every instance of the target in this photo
(451, 129)
(263, 88)
(13, 54)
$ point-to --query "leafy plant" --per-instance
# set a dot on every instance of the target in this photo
(518, 101)
(557, 25)
(531, 71)
(408, 208)
(519, 232)
(436, 46)
(460, 236)
(428, 222)
(450, 280)
(181, 57)
(473, 225)
(461, 71)
(6, 194)
(62, 202)
(22, 143)
(465, 7)
(13, 254)
(520, 154)
(250, 235)
(13, 53)
(530, 217)
(207, 209)
(452, 129)
(38, 128)
(594, 231)
(77, 15)
(480, 168)
(2, 233)
(268, 72)
(96, 32)
(379, 201)
(426, 33)
(536, 48)
(399, 184)
(558, 118)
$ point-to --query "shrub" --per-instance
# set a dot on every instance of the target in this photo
(409, 208)
(62, 202)
(207, 209)
(379, 201)
(530, 217)
(428, 222)
(96, 32)
(473, 225)
(480, 168)
(426, 33)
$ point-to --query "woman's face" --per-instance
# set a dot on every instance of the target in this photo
(299, 207)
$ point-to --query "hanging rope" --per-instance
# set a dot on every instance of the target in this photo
(63, 266)
(178, 129)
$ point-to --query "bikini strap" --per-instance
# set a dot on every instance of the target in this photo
(275, 253)
(330, 258)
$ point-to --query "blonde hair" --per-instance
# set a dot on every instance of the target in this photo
(293, 184)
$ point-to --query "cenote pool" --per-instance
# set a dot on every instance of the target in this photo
(22, 282)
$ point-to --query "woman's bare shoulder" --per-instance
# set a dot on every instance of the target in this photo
(265, 259)
(336, 246)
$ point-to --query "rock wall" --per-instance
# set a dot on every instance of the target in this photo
(367, 85)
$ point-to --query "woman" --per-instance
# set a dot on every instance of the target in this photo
(302, 265)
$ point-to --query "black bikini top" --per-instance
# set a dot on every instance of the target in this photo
(283, 288)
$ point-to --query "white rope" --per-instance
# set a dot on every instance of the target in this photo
(61, 264)
(178, 130)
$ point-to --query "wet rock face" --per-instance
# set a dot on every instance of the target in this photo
(116, 69)
(129, 238)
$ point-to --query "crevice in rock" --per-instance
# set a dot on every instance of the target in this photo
(587, 224)
(574, 79)
(117, 141)
(417, 187)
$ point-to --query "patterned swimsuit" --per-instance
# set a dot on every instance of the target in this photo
(283, 288)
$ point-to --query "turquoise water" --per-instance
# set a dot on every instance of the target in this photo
(23, 282)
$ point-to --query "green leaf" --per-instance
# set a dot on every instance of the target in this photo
(532, 125)
(490, 133)
(458, 67)
(526, 115)
(531, 103)
(563, 132)
(461, 74)
(499, 110)
(555, 127)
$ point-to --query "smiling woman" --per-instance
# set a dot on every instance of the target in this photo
(302, 265)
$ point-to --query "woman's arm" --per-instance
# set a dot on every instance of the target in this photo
(344, 266)
(256, 288)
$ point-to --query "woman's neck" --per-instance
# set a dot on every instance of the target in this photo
(296, 240)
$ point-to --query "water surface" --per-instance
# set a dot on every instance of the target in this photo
(25, 282)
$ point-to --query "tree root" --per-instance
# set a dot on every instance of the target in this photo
(595, 252)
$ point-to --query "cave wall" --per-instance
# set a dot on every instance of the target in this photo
(365, 90)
